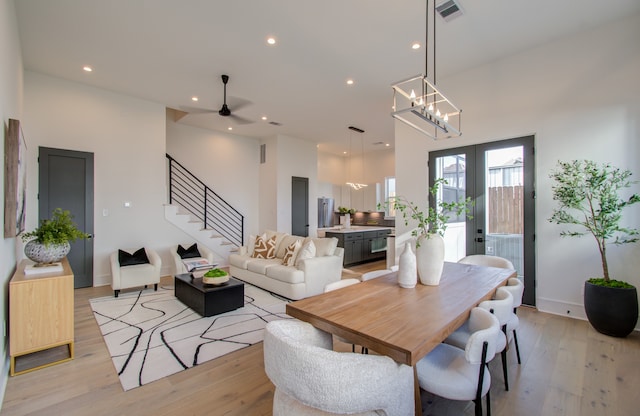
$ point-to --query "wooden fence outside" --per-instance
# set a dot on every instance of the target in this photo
(506, 210)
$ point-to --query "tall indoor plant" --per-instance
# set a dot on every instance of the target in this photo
(50, 242)
(431, 224)
(588, 196)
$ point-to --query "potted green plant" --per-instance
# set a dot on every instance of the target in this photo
(430, 225)
(50, 242)
(588, 196)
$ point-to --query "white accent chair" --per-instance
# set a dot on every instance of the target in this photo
(339, 285)
(311, 379)
(462, 374)
(501, 306)
(205, 253)
(488, 261)
(136, 275)
(516, 287)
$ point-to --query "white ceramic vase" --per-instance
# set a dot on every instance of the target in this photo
(407, 271)
(430, 259)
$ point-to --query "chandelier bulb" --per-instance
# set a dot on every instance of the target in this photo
(438, 113)
(431, 107)
(420, 102)
(446, 117)
(413, 95)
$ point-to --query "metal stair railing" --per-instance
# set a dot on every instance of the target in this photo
(186, 190)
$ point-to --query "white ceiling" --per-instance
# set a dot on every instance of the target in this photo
(167, 51)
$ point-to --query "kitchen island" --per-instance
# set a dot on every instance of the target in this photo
(362, 244)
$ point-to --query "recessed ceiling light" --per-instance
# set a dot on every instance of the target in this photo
(387, 144)
(344, 153)
(415, 45)
(349, 82)
(229, 128)
(194, 98)
(271, 40)
(87, 68)
(264, 118)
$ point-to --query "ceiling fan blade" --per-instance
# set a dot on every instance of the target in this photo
(236, 103)
(240, 120)
(196, 110)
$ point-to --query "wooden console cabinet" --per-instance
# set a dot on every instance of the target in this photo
(40, 314)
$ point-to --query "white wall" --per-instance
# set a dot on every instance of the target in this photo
(127, 137)
(11, 99)
(227, 163)
(580, 96)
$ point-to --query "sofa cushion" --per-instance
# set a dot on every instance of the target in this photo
(308, 251)
(136, 272)
(325, 246)
(128, 259)
(261, 265)
(188, 253)
(290, 253)
(278, 238)
(287, 240)
(285, 274)
(264, 249)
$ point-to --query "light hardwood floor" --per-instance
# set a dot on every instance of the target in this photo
(567, 369)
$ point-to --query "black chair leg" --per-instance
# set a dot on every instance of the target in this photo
(504, 369)
(116, 293)
(489, 402)
(478, 408)
(515, 340)
(155, 287)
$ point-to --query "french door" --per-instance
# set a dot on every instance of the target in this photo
(499, 178)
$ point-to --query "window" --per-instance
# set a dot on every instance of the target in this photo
(389, 193)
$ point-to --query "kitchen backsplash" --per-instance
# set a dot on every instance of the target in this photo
(367, 218)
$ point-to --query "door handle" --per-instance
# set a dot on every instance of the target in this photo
(480, 240)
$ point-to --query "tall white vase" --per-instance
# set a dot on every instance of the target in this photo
(407, 272)
(430, 259)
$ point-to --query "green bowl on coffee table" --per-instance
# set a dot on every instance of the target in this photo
(215, 277)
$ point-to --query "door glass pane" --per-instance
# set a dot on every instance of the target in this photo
(453, 169)
(504, 223)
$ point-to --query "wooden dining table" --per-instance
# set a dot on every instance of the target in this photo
(404, 324)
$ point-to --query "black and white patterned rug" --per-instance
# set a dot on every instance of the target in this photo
(152, 334)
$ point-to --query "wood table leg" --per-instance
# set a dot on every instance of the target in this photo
(416, 386)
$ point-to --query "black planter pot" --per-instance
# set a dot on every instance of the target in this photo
(611, 311)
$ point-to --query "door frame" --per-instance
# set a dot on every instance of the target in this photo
(475, 181)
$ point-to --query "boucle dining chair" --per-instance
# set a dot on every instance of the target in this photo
(502, 307)
(516, 287)
(486, 260)
(311, 379)
(462, 374)
(339, 285)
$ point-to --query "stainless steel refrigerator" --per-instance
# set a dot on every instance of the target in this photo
(325, 212)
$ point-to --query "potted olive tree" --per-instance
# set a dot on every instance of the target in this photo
(50, 242)
(431, 224)
(588, 196)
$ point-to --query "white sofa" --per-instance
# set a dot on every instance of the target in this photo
(306, 277)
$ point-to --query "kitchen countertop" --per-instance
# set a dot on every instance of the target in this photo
(358, 228)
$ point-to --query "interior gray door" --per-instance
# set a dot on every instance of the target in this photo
(66, 181)
(299, 206)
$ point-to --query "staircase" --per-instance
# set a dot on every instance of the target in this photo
(195, 228)
(201, 213)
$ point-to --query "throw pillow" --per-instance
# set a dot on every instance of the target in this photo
(189, 253)
(264, 249)
(325, 246)
(308, 251)
(290, 253)
(128, 259)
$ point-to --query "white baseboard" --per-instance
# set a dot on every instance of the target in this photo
(572, 310)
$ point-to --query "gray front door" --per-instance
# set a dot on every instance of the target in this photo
(300, 206)
(66, 181)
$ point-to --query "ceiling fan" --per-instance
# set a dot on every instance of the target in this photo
(225, 111)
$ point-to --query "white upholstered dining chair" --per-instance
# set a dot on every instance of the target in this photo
(488, 261)
(462, 374)
(516, 287)
(502, 307)
(311, 379)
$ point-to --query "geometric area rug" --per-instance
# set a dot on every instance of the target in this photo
(151, 335)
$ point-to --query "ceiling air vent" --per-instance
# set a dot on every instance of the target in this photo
(449, 10)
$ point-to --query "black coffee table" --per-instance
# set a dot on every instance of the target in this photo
(209, 300)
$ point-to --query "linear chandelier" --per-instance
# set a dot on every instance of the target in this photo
(420, 104)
